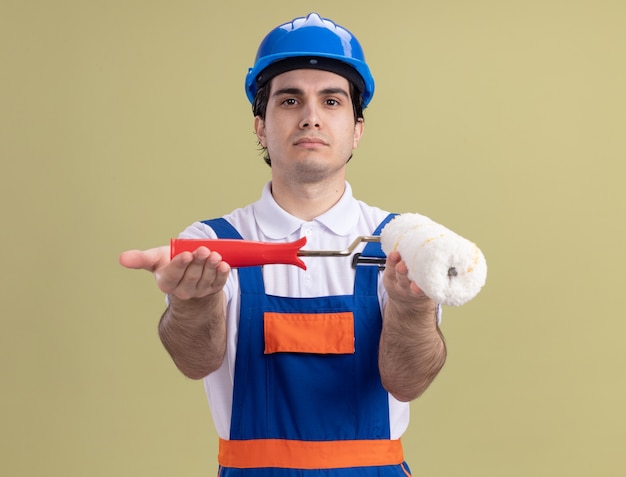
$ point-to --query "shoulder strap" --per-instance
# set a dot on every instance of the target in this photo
(366, 279)
(374, 249)
(223, 228)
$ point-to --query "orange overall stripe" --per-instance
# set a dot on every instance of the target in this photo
(291, 454)
(322, 333)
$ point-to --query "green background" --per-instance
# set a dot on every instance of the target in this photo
(121, 122)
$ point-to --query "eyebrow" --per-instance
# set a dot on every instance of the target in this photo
(300, 92)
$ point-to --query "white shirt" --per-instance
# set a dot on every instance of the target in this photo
(266, 221)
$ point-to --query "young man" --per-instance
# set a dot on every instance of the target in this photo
(306, 371)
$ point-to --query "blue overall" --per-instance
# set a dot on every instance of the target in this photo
(308, 396)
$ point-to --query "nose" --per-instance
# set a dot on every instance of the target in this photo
(310, 117)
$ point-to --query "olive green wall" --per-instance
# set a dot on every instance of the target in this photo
(123, 121)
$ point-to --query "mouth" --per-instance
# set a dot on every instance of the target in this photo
(310, 142)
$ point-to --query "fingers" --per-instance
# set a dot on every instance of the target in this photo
(397, 281)
(396, 265)
(188, 275)
(149, 260)
(194, 274)
(214, 274)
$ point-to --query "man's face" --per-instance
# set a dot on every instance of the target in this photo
(309, 128)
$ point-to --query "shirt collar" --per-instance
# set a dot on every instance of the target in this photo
(276, 223)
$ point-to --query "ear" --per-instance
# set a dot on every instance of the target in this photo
(358, 132)
(259, 129)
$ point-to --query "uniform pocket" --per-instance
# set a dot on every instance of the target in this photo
(318, 333)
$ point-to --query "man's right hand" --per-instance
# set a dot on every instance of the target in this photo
(188, 275)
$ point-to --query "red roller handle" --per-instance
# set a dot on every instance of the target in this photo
(244, 253)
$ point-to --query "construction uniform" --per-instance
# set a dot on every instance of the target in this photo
(306, 392)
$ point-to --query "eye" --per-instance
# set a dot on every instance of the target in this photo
(332, 102)
(289, 102)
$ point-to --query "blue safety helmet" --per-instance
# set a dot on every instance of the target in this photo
(310, 42)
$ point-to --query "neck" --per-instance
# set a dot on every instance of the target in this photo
(307, 201)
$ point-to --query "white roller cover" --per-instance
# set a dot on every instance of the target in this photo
(447, 267)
